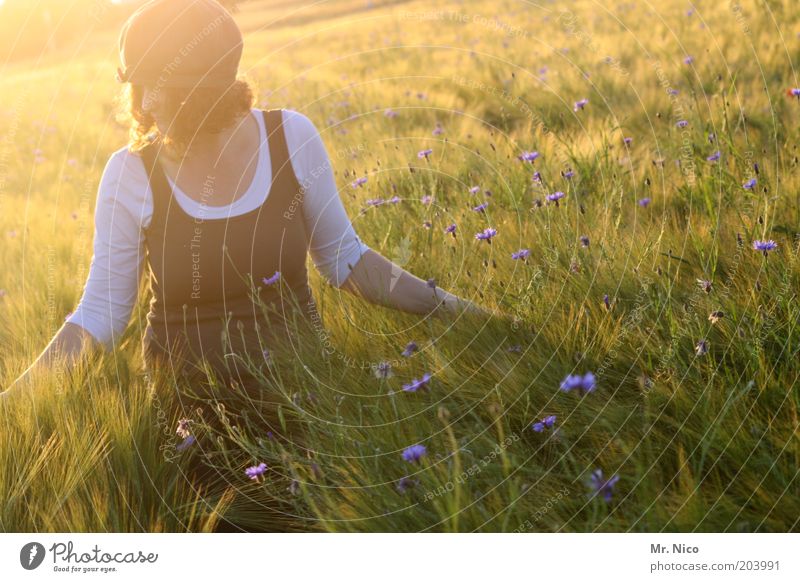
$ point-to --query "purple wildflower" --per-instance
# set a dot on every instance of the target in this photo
(451, 229)
(584, 241)
(579, 105)
(414, 453)
(528, 156)
(644, 202)
(359, 182)
(586, 383)
(555, 197)
(272, 280)
(406, 483)
(627, 140)
(486, 235)
(426, 199)
(375, 201)
(410, 348)
(481, 207)
(795, 93)
(682, 123)
(688, 60)
(765, 246)
(186, 443)
(546, 422)
(569, 174)
(424, 153)
(571, 382)
(256, 471)
(537, 177)
(714, 157)
(474, 189)
(520, 254)
(600, 486)
(417, 384)
(750, 184)
(701, 349)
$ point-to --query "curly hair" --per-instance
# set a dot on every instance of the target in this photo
(194, 112)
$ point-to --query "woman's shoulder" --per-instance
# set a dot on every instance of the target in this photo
(124, 165)
(124, 182)
(295, 121)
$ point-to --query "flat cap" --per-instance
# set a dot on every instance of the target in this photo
(180, 43)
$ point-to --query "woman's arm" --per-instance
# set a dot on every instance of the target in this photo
(334, 244)
(380, 281)
(112, 284)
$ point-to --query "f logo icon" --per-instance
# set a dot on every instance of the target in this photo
(31, 555)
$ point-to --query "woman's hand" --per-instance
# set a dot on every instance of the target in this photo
(20, 386)
(456, 305)
(69, 343)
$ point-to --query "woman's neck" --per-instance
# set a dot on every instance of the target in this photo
(212, 149)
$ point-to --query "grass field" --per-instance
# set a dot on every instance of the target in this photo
(692, 422)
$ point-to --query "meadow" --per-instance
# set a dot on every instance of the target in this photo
(637, 163)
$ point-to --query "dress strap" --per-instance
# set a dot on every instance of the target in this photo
(278, 150)
(159, 187)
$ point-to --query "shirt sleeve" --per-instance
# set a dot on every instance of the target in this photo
(333, 243)
(112, 285)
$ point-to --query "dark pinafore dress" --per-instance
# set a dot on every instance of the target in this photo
(205, 274)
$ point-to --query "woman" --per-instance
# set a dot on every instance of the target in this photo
(219, 200)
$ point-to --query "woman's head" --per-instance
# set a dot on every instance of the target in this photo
(180, 62)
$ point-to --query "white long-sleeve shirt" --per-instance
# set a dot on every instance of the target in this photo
(125, 206)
